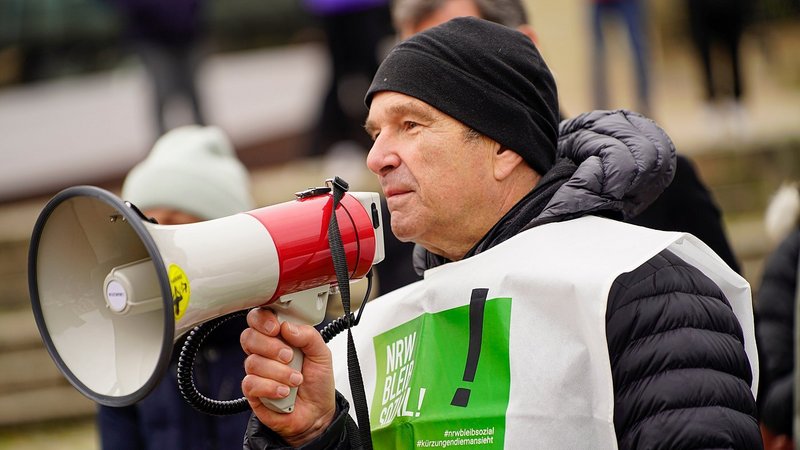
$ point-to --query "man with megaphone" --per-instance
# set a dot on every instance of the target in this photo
(541, 322)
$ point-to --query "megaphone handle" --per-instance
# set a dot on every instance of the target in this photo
(304, 308)
(286, 404)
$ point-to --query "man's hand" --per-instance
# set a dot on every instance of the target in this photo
(267, 344)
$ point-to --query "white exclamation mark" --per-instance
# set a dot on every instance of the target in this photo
(419, 402)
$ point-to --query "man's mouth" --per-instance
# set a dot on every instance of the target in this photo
(390, 193)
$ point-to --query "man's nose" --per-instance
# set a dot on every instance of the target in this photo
(382, 157)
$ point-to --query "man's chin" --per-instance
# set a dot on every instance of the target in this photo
(401, 231)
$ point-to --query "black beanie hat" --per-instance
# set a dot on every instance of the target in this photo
(485, 75)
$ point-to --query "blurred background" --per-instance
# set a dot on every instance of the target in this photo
(77, 106)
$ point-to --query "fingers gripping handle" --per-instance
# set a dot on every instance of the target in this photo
(305, 308)
(286, 404)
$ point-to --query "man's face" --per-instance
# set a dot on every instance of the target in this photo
(449, 10)
(432, 173)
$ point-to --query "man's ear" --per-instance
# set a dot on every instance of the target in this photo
(505, 161)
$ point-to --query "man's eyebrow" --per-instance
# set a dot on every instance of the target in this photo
(421, 111)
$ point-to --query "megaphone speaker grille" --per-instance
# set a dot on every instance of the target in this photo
(112, 358)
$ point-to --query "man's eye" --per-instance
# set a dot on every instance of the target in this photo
(409, 125)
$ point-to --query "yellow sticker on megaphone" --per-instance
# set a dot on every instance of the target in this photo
(181, 291)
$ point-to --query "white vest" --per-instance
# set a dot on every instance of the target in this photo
(538, 375)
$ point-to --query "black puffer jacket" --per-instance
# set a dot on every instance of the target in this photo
(681, 375)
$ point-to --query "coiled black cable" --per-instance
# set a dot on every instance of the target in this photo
(198, 334)
(186, 385)
(338, 325)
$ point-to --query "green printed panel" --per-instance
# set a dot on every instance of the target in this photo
(443, 379)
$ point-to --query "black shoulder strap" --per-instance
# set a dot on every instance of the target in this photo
(338, 188)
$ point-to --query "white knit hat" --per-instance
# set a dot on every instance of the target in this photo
(783, 212)
(191, 169)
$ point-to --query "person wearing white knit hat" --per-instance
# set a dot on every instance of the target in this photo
(192, 174)
(193, 170)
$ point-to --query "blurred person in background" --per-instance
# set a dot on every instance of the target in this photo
(633, 14)
(716, 28)
(191, 175)
(685, 205)
(412, 16)
(354, 31)
(775, 319)
(167, 36)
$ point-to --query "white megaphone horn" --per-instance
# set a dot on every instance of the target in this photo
(112, 292)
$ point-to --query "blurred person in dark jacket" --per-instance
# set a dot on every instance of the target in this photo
(717, 28)
(354, 30)
(191, 175)
(633, 14)
(167, 37)
(775, 316)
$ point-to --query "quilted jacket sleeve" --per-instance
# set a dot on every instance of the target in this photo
(336, 437)
(681, 375)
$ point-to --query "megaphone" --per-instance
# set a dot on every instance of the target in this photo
(112, 291)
